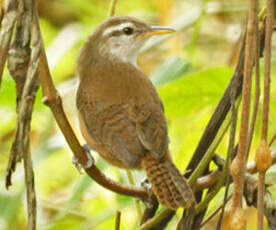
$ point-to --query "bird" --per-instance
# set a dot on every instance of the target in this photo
(120, 113)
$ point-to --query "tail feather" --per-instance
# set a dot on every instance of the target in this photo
(168, 184)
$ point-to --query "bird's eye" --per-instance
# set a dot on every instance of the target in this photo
(128, 30)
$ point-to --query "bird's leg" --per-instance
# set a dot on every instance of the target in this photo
(151, 202)
(90, 158)
(147, 186)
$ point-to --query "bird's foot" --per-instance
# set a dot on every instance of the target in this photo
(146, 184)
(151, 201)
(90, 162)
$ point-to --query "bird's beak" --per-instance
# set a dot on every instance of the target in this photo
(155, 30)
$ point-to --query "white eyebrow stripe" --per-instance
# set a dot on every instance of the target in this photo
(117, 28)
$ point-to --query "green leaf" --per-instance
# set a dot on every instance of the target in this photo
(171, 69)
(79, 190)
(189, 103)
(10, 208)
(194, 92)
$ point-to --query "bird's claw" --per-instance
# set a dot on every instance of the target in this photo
(90, 162)
(151, 200)
(146, 185)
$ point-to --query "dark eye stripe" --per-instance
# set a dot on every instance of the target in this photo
(115, 33)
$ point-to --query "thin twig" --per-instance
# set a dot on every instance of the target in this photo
(257, 86)
(209, 154)
(112, 8)
(238, 164)
(267, 54)
(118, 220)
(216, 211)
(150, 209)
(265, 152)
(272, 140)
(260, 203)
(7, 24)
(230, 153)
(221, 182)
(157, 219)
(18, 63)
(24, 70)
(131, 181)
(28, 96)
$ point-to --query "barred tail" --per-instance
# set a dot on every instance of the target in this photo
(168, 184)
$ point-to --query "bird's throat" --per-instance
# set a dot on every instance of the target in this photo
(119, 53)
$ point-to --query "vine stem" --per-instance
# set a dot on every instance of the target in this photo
(112, 8)
(264, 158)
(238, 165)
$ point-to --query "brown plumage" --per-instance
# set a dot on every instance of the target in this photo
(121, 115)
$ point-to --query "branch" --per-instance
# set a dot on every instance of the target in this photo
(118, 220)
(112, 8)
(26, 108)
(7, 24)
(263, 157)
(238, 165)
(18, 65)
(151, 209)
(231, 152)
(23, 69)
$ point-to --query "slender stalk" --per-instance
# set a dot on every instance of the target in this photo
(202, 205)
(209, 154)
(6, 28)
(158, 218)
(272, 140)
(238, 165)
(215, 212)
(138, 206)
(266, 164)
(268, 35)
(260, 203)
(230, 154)
(118, 220)
(257, 86)
(112, 8)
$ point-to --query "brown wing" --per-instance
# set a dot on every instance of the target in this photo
(112, 128)
(127, 115)
(151, 127)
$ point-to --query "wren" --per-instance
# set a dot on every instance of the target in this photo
(121, 114)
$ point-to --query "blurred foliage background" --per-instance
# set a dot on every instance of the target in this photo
(191, 70)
